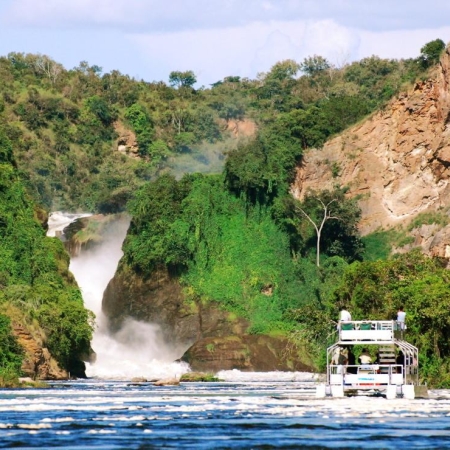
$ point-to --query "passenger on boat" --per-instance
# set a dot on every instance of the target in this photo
(339, 359)
(336, 355)
(365, 358)
(351, 361)
(400, 360)
(401, 316)
(345, 315)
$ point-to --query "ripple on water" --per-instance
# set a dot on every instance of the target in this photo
(233, 414)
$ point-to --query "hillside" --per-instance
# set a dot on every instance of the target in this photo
(86, 140)
(396, 162)
(45, 331)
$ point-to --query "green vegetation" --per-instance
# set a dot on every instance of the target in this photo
(34, 278)
(379, 245)
(422, 286)
(437, 218)
(239, 239)
(63, 124)
(236, 237)
(431, 52)
(331, 224)
(196, 377)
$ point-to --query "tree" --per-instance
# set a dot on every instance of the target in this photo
(327, 215)
(283, 70)
(334, 218)
(314, 64)
(51, 69)
(431, 52)
(182, 79)
(89, 70)
(142, 124)
(6, 151)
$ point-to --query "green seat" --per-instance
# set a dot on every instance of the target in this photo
(365, 326)
(347, 326)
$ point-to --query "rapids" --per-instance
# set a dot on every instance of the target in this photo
(273, 412)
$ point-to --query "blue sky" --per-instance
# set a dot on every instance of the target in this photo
(215, 38)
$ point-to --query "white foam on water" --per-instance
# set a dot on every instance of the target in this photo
(33, 426)
(59, 220)
(238, 376)
(137, 350)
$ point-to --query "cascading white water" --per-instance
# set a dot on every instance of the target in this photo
(137, 349)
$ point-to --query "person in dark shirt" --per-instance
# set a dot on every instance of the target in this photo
(351, 361)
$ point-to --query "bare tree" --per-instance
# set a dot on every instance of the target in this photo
(327, 215)
(51, 69)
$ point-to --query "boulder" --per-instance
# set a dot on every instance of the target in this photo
(160, 300)
(126, 140)
(195, 377)
(167, 382)
(252, 353)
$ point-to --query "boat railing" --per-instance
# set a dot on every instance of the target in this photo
(370, 330)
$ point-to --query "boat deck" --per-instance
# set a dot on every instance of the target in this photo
(397, 360)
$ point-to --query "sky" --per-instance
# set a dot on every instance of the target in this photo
(148, 39)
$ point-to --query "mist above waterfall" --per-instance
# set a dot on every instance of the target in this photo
(137, 349)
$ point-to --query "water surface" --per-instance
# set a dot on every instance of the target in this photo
(262, 414)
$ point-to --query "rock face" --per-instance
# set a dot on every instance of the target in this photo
(214, 339)
(126, 141)
(255, 353)
(434, 240)
(38, 363)
(241, 128)
(87, 232)
(398, 160)
(160, 300)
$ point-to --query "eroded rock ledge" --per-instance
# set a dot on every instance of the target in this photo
(38, 363)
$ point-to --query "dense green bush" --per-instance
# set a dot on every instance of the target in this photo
(431, 52)
(34, 275)
(225, 251)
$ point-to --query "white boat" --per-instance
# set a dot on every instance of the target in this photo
(394, 373)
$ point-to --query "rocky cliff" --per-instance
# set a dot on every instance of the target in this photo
(397, 161)
(38, 363)
(212, 338)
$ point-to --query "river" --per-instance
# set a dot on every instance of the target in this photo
(278, 411)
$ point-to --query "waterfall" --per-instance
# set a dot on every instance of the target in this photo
(137, 349)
